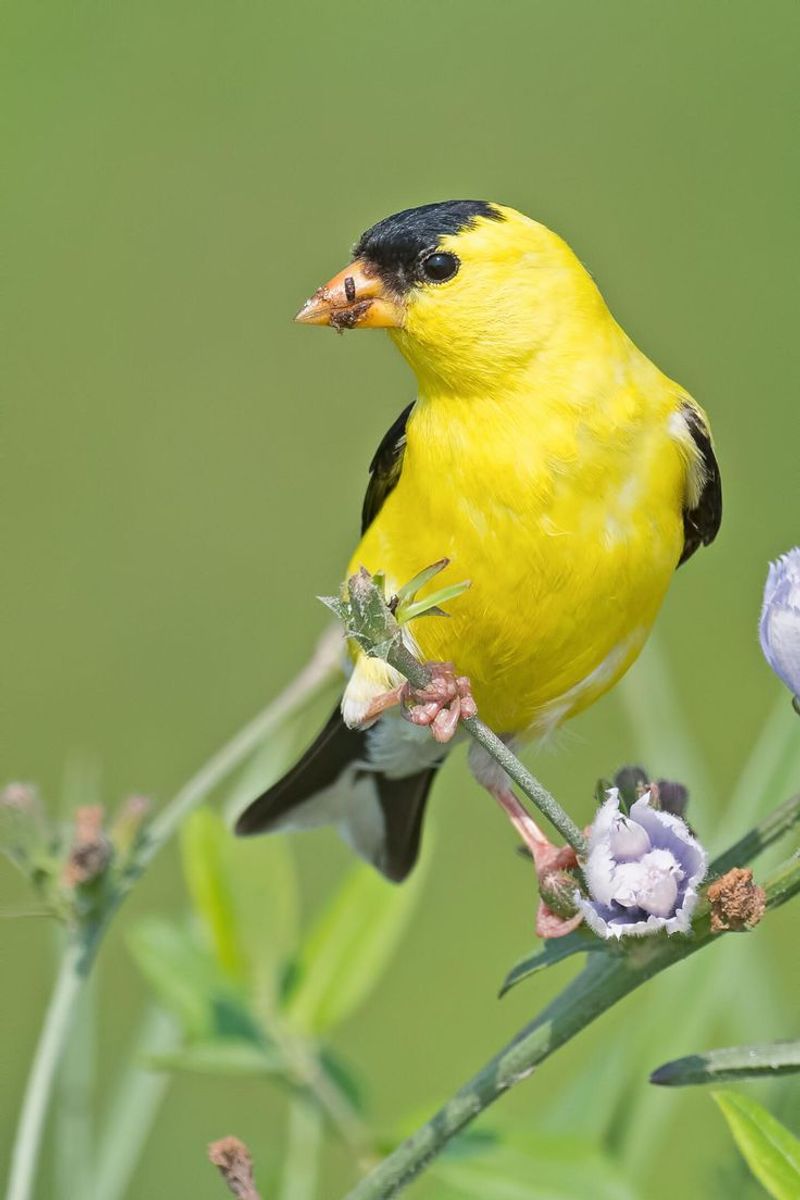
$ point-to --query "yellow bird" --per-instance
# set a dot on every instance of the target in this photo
(547, 458)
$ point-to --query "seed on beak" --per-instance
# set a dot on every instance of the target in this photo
(350, 288)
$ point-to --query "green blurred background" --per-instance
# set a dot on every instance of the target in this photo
(183, 467)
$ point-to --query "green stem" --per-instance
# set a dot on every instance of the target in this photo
(301, 1165)
(76, 958)
(768, 831)
(84, 943)
(419, 676)
(133, 1107)
(600, 985)
(74, 1141)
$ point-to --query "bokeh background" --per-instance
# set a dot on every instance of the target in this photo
(183, 467)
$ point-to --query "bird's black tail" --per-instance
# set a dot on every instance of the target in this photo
(333, 784)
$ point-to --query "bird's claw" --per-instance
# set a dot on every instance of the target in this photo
(441, 704)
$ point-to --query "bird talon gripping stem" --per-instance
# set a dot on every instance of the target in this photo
(444, 701)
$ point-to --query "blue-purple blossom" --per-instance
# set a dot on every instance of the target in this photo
(643, 871)
(780, 619)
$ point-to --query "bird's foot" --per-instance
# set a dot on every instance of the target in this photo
(441, 704)
(556, 915)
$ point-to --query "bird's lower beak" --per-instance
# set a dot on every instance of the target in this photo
(354, 299)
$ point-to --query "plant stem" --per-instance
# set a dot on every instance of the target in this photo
(79, 953)
(134, 1105)
(301, 1165)
(330, 1099)
(419, 676)
(74, 1141)
(73, 969)
(603, 982)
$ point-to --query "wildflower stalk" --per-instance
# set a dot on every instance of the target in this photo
(73, 971)
(84, 938)
(604, 981)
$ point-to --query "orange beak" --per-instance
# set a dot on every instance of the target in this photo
(356, 298)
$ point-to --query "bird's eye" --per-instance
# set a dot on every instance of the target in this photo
(439, 267)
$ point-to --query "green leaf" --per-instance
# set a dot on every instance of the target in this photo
(770, 1150)
(348, 948)
(179, 971)
(734, 1062)
(520, 1166)
(410, 589)
(343, 1077)
(430, 605)
(189, 983)
(220, 1056)
(203, 842)
(245, 892)
(267, 907)
(555, 950)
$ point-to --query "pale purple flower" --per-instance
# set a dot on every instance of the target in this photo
(643, 871)
(779, 629)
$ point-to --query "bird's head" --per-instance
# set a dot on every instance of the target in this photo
(470, 291)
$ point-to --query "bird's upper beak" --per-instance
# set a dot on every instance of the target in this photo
(356, 298)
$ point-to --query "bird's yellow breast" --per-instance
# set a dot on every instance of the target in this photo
(561, 501)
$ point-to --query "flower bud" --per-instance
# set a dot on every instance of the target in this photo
(779, 630)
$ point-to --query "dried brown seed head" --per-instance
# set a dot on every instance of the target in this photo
(737, 903)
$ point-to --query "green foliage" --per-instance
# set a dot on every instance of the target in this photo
(190, 982)
(770, 1150)
(734, 1062)
(348, 948)
(244, 894)
(517, 1165)
(208, 881)
(554, 950)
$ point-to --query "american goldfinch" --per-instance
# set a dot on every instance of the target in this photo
(547, 458)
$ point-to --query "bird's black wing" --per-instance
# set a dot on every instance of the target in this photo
(306, 796)
(701, 522)
(385, 468)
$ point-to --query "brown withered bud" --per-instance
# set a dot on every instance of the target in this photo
(737, 903)
(671, 796)
(632, 782)
(128, 823)
(91, 851)
(232, 1159)
(22, 824)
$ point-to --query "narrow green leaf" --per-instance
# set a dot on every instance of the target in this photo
(734, 1062)
(220, 1056)
(203, 844)
(770, 1150)
(419, 608)
(180, 973)
(266, 903)
(343, 1077)
(523, 1167)
(347, 949)
(553, 951)
(421, 578)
